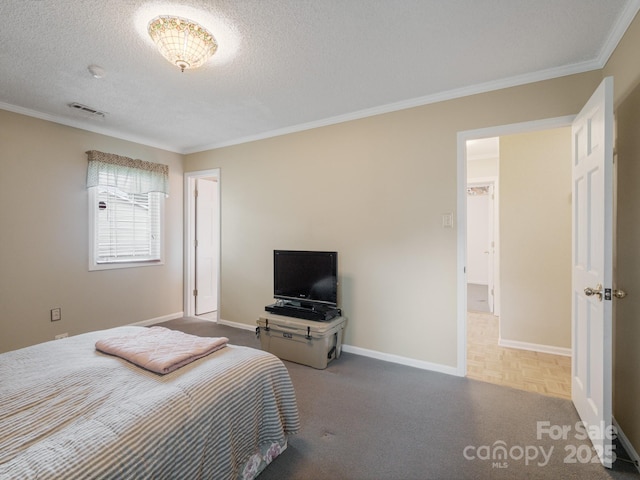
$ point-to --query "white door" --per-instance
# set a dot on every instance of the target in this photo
(480, 237)
(592, 222)
(490, 252)
(206, 245)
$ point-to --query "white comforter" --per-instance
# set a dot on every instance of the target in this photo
(68, 411)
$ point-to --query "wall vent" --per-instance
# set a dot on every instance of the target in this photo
(87, 111)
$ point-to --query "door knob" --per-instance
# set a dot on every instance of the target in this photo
(619, 293)
(594, 291)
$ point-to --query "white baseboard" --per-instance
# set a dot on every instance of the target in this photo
(164, 318)
(627, 445)
(535, 347)
(243, 326)
(387, 357)
(410, 362)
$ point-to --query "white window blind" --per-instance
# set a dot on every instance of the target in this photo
(128, 226)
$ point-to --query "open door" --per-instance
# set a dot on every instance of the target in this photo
(592, 258)
(206, 246)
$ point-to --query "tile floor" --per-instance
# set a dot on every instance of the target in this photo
(522, 369)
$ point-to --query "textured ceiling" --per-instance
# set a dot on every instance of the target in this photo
(286, 65)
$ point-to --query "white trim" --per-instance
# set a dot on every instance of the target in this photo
(463, 136)
(410, 362)
(242, 326)
(521, 127)
(164, 318)
(535, 347)
(461, 254)
(189, 237)
(626, 444)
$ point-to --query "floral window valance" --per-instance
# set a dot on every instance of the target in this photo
(126, 174)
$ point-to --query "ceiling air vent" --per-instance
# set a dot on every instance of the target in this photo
(87, 111)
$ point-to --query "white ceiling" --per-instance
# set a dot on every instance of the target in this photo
(286, 65)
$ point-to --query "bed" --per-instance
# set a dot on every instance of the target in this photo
(69, 411)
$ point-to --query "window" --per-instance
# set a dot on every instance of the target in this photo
(125, 217)
(126, 226)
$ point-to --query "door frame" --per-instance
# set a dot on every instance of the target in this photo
(189, 240)
(461, 223)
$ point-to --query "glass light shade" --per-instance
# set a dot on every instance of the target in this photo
(181, 41)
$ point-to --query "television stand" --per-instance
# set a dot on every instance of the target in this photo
(302, 341)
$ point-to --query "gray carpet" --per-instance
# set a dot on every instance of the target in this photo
(367, 419)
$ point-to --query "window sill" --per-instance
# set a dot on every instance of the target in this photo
(125, 264)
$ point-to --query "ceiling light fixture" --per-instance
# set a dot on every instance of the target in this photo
(181, 41)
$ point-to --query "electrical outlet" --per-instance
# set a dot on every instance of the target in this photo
(56, 314)
(62, 335)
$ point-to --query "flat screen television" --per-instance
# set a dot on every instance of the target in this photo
(306, 278)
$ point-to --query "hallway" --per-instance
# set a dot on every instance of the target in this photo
(522, 369)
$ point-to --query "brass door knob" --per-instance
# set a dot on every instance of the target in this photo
(594, 291)
(619, 293)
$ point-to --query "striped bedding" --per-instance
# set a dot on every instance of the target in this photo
(68, 411)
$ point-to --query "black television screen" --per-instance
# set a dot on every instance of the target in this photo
(306, 277)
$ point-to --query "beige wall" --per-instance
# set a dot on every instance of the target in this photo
(487, 167)
(627, 311)
(623, 64)
(535, 237)
(375, 190)
(625, 68)
(44, 237)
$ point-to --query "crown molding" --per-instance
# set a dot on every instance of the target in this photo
(412, 103)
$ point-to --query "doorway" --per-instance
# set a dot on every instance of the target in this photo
(493, 351)
(481, 245)
(202, 244)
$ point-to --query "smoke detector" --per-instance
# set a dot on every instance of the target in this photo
(96, 71)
